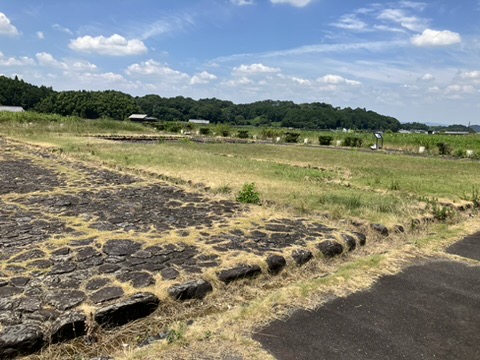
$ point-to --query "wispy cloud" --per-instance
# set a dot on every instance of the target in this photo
(350, 22)
(168, 25)
(296, 3)
(62, 29)
(242, 2)
(391, 17)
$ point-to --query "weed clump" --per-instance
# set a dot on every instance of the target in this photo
(248, 194)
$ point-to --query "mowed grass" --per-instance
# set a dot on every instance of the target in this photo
(370, 185)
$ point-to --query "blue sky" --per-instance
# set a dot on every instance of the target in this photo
(416, 61)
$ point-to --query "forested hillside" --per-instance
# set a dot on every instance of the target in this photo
(118, 105)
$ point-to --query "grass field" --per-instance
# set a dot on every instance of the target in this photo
(376, 186)
(338, 183)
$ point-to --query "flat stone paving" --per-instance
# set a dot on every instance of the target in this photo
(429, 311)
(74, 234)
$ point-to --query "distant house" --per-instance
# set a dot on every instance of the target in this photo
(138, 117)
(456, 133)
(199, 121)
(142, 118)
(12, 108)
(402, 131)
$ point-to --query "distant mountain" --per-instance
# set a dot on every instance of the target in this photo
(476, 128)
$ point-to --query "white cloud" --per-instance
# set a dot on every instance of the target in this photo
(296, 3)
(255, 69)
(62, 29)
(350, 22)
(154, 68)
(301, 81)
(115, 45)
(338, 80)
(241, 2)
(433, 38)
(202, 78)
(46, 59)
(428, 77)
(6, 27)
(241, 81)
(459, 89)
(12, 61)
(82, 65)
(470, 75)
(40, 35)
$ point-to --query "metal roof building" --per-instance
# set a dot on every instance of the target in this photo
(12, 108)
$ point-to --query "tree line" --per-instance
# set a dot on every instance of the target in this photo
(117, 105)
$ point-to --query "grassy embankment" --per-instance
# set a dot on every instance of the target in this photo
(377, 187)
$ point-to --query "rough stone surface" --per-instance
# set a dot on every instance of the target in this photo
(239, 272)
(330, 248)
(106, 294)
(381, 229)
(20, 340)
(69, 327)
(350, 242)
(123, 312)
(302, 256)
(361, 238)
(276, 263)
(191, 290)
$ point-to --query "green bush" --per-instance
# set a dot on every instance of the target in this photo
(443, 148)
(291, 137)
(223, 130)
(248, 194)
(353, 141)
(204, 131)
(269, 133)
(325, 139)
(243, 134)
(173, 127)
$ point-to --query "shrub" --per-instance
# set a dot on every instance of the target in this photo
(204, 131)
(223, 130)
(325, 139)
(353, 141)
(443, 148)
(173, 127)
(243, 134)
(269, 133)
(291, 137)
(248, 194)
(461, 153)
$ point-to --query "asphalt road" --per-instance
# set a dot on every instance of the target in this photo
(429, 311)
